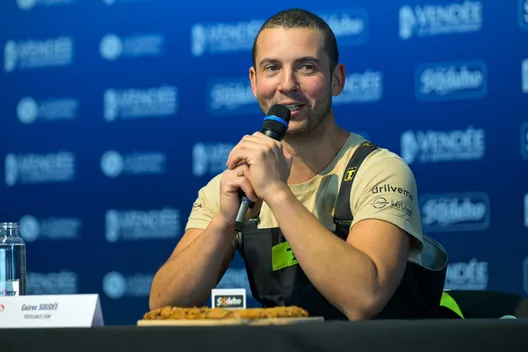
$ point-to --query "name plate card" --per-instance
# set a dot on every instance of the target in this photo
(55, 311)
(228, 298)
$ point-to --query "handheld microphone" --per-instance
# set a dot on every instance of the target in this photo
(275, 125)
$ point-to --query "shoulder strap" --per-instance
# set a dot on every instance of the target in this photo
(342, 213)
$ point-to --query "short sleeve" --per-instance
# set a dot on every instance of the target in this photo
(206, 205)
(385, 189)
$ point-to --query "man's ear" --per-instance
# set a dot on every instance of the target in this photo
(338, 79)
(253, 80)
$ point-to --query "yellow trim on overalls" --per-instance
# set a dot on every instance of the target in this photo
(450, 303)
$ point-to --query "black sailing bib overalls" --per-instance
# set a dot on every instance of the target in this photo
(417, 296)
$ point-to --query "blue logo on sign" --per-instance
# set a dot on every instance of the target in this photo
(451, 80)
(455, 212)
(231, 97)
(350, 26)
(524, 140)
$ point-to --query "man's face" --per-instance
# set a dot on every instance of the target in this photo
(292, 68)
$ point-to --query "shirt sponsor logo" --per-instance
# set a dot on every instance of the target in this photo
(383, 203)
(442, 146)
(440, 19)
(451, 80)
(455, 212)
(386, 188)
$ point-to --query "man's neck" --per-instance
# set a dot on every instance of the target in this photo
(311, 156)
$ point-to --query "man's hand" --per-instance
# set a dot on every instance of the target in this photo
(268, 163)
(232, 182)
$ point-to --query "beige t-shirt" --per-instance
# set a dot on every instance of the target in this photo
(384, 188)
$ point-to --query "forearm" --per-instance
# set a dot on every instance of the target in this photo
(344, 275)
(187, 278)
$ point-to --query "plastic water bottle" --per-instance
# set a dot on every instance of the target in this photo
(12, 261)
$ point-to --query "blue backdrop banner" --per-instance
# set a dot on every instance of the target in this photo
(114, 113)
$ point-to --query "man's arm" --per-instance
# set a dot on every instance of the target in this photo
(202, 256)
(358, 276)
(195, 267)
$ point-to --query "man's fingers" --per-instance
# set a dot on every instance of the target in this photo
(245, 186)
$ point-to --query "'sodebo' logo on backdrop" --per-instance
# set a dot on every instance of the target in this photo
(230, 96)
(436, 19)
(443, 146)
(350, 26)
(455, 212)
(451, 80)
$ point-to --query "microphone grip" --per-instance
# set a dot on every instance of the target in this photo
(245, 204)
(272, 134)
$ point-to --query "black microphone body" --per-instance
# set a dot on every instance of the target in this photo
(274, 126)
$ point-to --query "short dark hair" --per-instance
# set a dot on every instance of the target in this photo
(299, 18)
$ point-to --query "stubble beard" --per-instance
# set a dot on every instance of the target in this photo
(312, 129)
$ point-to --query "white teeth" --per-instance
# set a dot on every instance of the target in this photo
(292, 107)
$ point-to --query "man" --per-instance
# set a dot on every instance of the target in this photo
(295, 184)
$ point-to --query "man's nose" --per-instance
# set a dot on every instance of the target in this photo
(288, 82)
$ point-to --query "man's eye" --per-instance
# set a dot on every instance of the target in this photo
(271, 68)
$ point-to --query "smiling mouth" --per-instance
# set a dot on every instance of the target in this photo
(294, 107)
